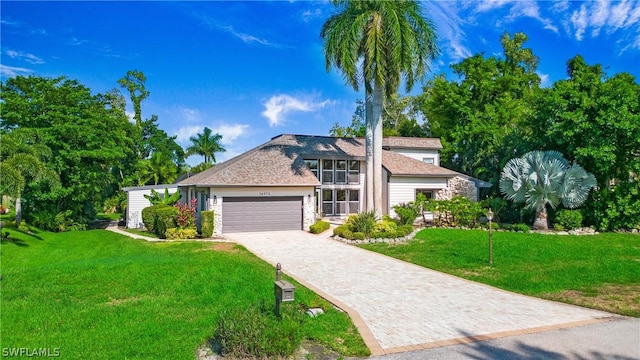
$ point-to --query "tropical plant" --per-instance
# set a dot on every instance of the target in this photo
(379, 43)
(168, 199)
(21, 160)
(541, 178)
(206, 144)
(158, 169)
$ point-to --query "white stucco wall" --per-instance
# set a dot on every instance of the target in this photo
(136, 202)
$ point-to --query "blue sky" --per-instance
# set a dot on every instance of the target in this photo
(253, 70)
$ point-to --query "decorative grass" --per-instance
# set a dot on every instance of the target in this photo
(599, 271)
(97, 294)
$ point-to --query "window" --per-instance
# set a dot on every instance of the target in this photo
(429, 160)
(327, 202)
(341, 171)
(354, 201)
(354, 172)
(341, 202)
(313, 166)
(327, 171)
(427, 193)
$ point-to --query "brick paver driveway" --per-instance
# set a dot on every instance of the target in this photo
(398, 306)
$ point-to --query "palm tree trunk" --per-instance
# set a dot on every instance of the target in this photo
(541, 222)
(377, 148)
(18, 211)
(368, 137)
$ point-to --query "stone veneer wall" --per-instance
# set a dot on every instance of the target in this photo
(308, 212)
(458, 186)
(217, 215)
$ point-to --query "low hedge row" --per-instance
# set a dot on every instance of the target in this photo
(346, 233)
(319, 226)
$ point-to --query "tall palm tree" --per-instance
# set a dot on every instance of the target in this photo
(206, 144)
(541, 178)
(380, 43)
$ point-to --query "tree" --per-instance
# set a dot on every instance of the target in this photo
(482, 118)
(393, 42)
(85, 133)
(158, 169)
(399, 118)
(21, 161)
(206, 144)
(541, 178)
(134, 82)
(595, 120)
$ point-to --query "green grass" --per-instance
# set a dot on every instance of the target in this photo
(110, 216)
(97, 294)
(600, 271)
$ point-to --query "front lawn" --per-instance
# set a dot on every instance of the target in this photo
(97, 294)
(600, 271)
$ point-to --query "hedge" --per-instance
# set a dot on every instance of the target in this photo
(206, 223)
(319, 227)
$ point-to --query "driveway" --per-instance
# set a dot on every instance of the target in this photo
(401, 307)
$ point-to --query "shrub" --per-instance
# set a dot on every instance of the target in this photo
(385, 226)
(521, 228)
(52, 220)
(256, 333)
(458, 211)
(343, 231)
(319, 227)
(179, 234)
(407, 213)
(149, 217)
(568, 219)
(405, 230)
(494, 226)
(186, 216)
(358, 236)
(165, 219)
(23, 227)
(363, 222)
(206, 223)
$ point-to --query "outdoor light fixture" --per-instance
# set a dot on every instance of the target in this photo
(215, 199)
(490, 218)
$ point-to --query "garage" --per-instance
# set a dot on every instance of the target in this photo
(242, 214)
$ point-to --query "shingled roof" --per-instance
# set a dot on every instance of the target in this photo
(399, 142)
(280, 162)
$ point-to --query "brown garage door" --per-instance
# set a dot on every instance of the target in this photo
(241, 214)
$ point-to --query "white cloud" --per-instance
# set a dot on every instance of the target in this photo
(545, 80)
(491, 5)
(10, 71)
(279, 105)
(580, 21)
(310, 14)
(30, 58)
(230, 132)
(609, 16)
(185, 132)
(448, 26)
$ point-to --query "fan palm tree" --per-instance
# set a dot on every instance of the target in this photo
(541, 178)
(380, 43)
(206, 144)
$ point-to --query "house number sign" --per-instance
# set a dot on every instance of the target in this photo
(265, 193)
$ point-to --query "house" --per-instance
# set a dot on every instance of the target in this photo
(136, 202)
(285, 182)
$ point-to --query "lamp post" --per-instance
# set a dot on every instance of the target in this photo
(490, 218)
